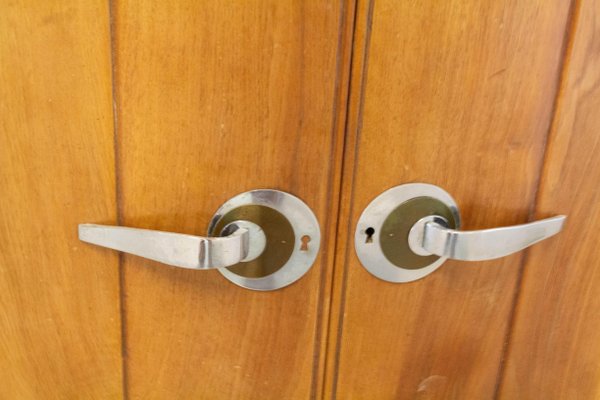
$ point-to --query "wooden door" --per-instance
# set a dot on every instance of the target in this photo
(152, 114)
(498, 103)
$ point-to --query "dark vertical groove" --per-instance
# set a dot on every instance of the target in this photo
(119, 197)
(334, 217)
(361, 93)
(568, 38)
(331, 217)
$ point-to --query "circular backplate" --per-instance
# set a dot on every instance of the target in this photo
(381, 237)
(292, 236)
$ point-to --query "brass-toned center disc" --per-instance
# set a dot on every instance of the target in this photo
(394, 231)
(278, 232)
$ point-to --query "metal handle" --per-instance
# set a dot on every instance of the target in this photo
(431, 235)
(409, 231)
(263, 239)
(242, 243)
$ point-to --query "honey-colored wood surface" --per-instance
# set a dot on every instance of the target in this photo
(458, 94)
(213, 99)
(60, 335)
(554, 351)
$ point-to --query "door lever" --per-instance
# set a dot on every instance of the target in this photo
(431, 235)
(180, 250)
(408, 232)
(262, 240)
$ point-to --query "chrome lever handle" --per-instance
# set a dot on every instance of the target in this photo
(177, 249)
(409, 231)
(431, 235)
(262, 239)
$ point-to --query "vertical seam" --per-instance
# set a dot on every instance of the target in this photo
(329, 219)
(339, 103)
(361, 93)
(119, 198)
(567, 44)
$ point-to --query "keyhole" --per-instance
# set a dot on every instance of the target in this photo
(304, 246)
(369, 231)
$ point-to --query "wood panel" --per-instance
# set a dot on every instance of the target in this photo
(60, 331)
(458, 94)
(215, 99)
(554, 352)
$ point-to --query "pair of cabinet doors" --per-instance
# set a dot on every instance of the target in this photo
(153, 113)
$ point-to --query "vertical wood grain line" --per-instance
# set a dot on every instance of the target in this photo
(349, 173)
(118, 195)
(332, 220)
(567, 46)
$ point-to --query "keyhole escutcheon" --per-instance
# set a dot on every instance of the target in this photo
(304, 246)
(369, 232)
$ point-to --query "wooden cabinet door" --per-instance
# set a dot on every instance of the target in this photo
(498, 103)
(151, 114)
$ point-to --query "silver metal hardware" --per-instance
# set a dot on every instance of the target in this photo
(430, 235)
(409, 231)
(256, 246)
(292, 236)
(257, 240)
(175, 249)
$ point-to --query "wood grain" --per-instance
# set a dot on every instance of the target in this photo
(60, 332)
(215, 99)
(457, 94)
(554, 352)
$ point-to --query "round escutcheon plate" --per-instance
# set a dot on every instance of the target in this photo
(381, 237)
(292, 238)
